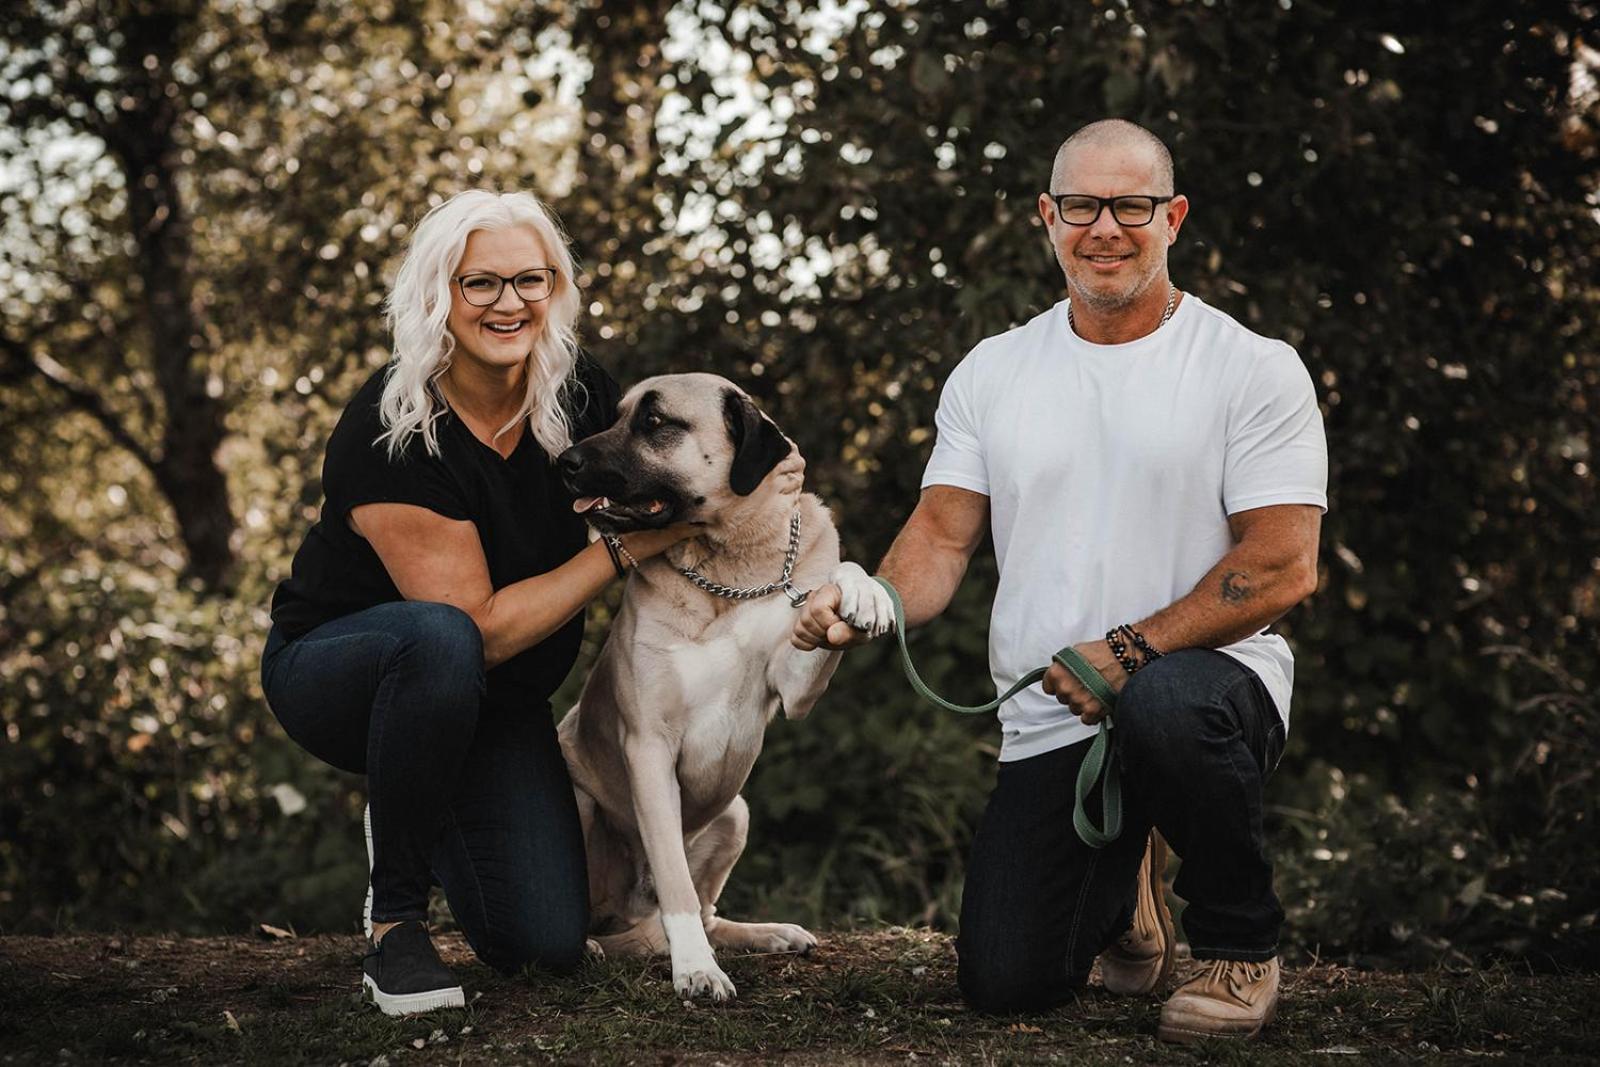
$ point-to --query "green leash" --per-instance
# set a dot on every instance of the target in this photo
(1098, 761)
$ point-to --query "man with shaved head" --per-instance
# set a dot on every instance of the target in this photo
(1154, 475)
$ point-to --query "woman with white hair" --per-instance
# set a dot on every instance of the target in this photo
(437, 605)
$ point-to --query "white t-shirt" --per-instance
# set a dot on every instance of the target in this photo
(1111, 471)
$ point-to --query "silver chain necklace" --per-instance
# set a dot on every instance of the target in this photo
(1172, 304)
(728, 592)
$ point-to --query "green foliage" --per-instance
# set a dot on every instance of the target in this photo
(831, 213)
(1496, 869)
(144, 780)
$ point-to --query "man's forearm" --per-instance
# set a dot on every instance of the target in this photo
(929, 557)
(925, 574)
(1248, 590)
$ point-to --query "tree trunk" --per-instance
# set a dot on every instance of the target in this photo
(186, 469)
(623, 41)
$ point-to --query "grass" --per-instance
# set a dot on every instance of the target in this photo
(875, 997)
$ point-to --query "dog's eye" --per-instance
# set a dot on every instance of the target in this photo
(652, 422)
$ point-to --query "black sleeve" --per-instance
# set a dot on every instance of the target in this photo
(594, 398)
(358, 469)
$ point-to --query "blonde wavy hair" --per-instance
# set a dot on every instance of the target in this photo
(418, 312)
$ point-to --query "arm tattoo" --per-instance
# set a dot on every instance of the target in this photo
(1236, 587)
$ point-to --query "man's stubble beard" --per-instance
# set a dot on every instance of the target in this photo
(1103, 301)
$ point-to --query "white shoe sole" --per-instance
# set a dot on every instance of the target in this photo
(366, 908)
(412, 1003)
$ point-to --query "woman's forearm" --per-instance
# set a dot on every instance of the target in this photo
(524, 613)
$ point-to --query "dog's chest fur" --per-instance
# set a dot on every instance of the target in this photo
(725, 707)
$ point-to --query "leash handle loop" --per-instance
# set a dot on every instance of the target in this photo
(1099, 764)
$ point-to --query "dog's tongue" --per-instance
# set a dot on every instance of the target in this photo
(587, 503)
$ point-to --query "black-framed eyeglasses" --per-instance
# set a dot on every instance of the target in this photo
(482, 289)
(1080, 209)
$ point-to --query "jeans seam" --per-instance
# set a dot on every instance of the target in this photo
(1247, 678)
(1217, 700)
(1227, 684)
(490, 940)
(376, 747)
(1084, 893)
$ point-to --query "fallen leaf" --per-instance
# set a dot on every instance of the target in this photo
(276, 933)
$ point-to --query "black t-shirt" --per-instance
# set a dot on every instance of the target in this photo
(522, 512)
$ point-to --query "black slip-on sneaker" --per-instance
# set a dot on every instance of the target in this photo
(402, 974)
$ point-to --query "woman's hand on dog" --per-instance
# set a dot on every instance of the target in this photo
(642, 544)
(791, 472)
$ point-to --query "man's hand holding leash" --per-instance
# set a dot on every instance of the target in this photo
(825, 622)
(1060, 683)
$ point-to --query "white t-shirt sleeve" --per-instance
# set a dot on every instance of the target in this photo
(958, 448)
(1276, 450)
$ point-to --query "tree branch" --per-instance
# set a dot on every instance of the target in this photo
(78, 395)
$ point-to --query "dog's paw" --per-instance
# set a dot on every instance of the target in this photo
(863, 603)
(761, 937)
(703, 981)
(593, 950)
(694, 967)
(785, 937)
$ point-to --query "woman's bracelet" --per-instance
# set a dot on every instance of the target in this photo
(619, 551)
(612, 546)
(627, 557)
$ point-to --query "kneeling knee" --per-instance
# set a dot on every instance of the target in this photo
(1003, 994)
(449, 634)
(550, 951)
(441, 651)
(996, 988)
(1156, 713)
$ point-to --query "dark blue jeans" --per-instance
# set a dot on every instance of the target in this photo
(470, 794)
(1196, 734)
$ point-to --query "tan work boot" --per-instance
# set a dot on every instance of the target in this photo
(1141, 959)
(1230, 998)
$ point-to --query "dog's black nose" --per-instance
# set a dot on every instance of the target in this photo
(571, 461)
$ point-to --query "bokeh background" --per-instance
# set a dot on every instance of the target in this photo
(201, 204)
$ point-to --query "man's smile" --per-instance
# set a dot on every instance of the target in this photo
(1100, 259)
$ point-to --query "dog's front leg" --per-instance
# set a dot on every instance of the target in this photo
(658, 810)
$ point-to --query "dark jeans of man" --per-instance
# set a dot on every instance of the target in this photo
(1197, 734)
(473, 795)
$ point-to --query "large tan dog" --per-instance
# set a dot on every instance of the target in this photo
(673, 714)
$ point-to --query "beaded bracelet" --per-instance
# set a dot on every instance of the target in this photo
(1142, 645)
(622, 550)
(1119, 649)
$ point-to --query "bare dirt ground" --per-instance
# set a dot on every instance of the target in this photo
(877, 997)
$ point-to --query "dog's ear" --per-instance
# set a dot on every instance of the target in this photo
(758, 444)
